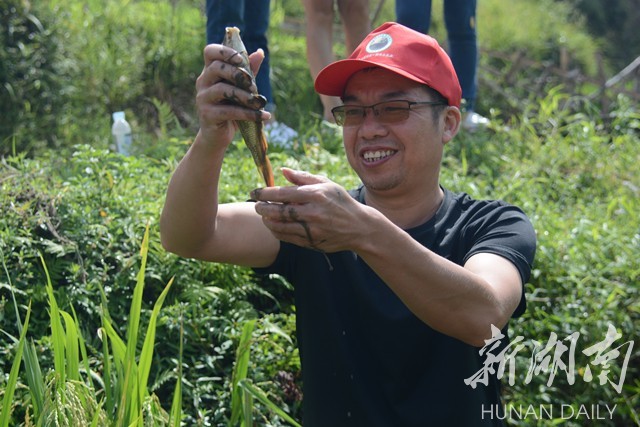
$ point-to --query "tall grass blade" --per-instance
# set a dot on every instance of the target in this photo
(240, 370)
(32, 366)
(109, 392)
(95, 422)
(13, 375)
(136, 302)
(130, 406)
(35, 380)
(13, 295)
(146, 356)
(256, 392)
(117, 344)
(72, 350)
(57, 331)
(176, 405)
(132, 398)
(83, 353)
(247, 408)
(117, 390)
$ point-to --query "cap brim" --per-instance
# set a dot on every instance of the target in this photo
(333, 78)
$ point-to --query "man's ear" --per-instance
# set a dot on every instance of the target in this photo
(452, 120)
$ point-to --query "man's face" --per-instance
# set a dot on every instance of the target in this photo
(397, 158)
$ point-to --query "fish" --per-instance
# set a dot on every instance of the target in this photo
(252, 131)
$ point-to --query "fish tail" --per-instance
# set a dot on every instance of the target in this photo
(254, 137)
(264, 165)
(267, 173)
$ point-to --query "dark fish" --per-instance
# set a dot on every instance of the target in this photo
(252, 131)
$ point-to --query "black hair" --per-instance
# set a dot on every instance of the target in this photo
(436, 96)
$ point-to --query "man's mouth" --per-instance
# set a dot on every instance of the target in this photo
(374, 156)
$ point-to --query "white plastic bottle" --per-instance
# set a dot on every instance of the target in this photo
(121, 131)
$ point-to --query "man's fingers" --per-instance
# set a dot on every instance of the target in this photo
(287, 222)
(297, 177)
(218, 52)
(220, 71)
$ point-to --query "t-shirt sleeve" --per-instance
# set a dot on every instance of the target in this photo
(282, 264)
(507, 232)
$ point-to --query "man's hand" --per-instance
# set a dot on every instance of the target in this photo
(224, 93)
(314, 213)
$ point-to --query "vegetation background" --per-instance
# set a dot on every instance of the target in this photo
(559, 147)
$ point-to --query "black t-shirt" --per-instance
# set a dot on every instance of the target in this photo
(366, 359)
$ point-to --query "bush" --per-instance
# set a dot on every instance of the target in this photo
(84, 208)
(85, 216)
(573, 174)
(30, 83)
(89, 59)
(65, 67)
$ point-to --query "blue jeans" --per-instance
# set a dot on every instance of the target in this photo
(460, 20)
(252, 18)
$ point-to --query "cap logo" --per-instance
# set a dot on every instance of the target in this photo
(379, 43)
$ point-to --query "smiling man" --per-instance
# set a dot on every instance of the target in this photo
(397, 282)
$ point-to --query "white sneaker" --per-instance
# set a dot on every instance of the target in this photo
(472, 121)
(279, 134)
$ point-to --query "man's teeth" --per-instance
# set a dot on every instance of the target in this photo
(372, 156)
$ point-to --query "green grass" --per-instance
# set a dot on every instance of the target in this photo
(217, 349)
(70, 396)
(571, 171)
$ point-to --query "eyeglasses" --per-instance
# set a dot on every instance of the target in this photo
(387, 112)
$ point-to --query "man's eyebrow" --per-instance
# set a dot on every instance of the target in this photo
(399, 94)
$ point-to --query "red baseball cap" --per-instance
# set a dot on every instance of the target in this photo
(402, 50)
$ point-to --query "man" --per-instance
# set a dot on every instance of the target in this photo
(397, 283)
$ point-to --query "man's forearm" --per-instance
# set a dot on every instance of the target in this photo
(448, 297)
(191, 205)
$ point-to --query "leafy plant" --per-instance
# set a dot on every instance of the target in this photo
(129, 393)
(13, 376)
(29, 77)
(71, 399)
(568, 165)
(244, 391)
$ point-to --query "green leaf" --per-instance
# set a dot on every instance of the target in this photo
(83, 352)
(272, 328)
(256, 392)
(72, 353)
(106, 360)
(146, 356)
(134, 395)
(13, 375)
(57, 331)
(32, 366)
(176, 405)
(240, 370)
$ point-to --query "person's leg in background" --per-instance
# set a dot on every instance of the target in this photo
(256, 20)
(415, 14)
(252, 18)
(460, 21)
(355, 21)
(222, 14)
(319, 39)
(319, 16)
